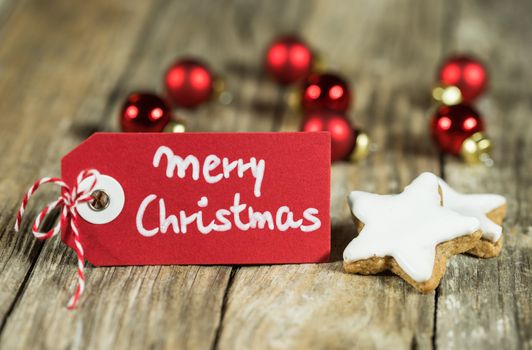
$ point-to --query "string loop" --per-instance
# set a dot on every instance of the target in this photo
(68, 200)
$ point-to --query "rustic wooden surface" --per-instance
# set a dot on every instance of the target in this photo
(66, 65)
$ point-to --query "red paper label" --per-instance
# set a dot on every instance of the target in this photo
(207, 198)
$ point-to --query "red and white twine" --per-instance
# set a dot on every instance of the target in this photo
(68, 200)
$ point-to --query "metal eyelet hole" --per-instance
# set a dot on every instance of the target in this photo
(100, 201)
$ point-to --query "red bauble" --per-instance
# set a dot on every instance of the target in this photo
(288, 60)
(466, 73)
(189, 83)
(337, 124)
(451, 125)
(325, 91)
(144, 112)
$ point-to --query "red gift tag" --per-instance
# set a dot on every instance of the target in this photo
(204, 198)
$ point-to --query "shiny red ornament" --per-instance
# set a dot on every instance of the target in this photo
(337, 124)
(466, 73)
(325, 91)
(144, 112)
(189, 83)
(289, 60)
(452, 125)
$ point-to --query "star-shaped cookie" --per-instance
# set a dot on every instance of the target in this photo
(489, 209)
(410, 233)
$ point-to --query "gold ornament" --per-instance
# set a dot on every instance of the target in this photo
(476, 149)
(362, 144)
(175, 126)
(447, 95)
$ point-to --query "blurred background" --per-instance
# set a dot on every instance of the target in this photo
(85, 58)
(67, 69)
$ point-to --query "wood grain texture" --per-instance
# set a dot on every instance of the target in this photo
(173, 303)
(320, 306)
(487, 303)
(40, 99)
(65, 68)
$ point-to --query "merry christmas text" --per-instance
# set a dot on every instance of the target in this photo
(238, 215)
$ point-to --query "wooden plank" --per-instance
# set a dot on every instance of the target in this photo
(320, 306)
(100, 323)
(183, 303)
(41, 97)
(486, 303)
(114, 48)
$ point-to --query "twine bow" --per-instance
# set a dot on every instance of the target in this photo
(68, 200)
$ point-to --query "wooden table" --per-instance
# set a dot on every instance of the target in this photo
(65, 67)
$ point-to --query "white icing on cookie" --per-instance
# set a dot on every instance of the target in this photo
(476, 205)
(407, 226)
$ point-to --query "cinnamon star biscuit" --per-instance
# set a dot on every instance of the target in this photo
(489, 209)
(410, 233)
